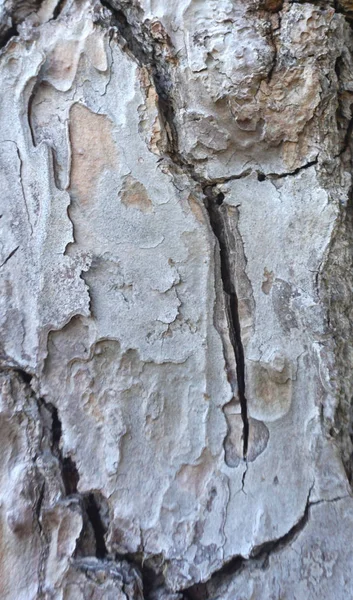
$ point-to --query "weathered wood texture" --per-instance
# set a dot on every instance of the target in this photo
(176, 305)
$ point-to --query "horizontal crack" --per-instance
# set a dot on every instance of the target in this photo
(260, 554)
(149, 52)
(263, 177)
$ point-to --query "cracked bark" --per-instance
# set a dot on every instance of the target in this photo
(220, 226)
(176, 309)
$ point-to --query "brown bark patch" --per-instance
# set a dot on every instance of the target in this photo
(93, 151)
(134, 195)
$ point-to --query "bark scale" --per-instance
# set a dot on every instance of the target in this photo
(176, 307)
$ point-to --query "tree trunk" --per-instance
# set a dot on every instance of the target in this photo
(176, 313)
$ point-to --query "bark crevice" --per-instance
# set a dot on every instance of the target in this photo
(259, 557)
(219, 226)
(91, 502)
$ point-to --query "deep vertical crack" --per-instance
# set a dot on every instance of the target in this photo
(219, 225)
(151, 52)
(69, 473)
(94, 515)
(70, 476)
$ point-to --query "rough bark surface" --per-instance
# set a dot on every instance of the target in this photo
(176, 309)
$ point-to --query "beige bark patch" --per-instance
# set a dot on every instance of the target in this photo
(196, 209)
(95, 50)
(61, 64)
(270, 387)
(134, 195)
(149, 119)
(233, 444)
(194, 478)
(93, 151)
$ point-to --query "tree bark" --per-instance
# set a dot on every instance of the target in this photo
(176, 307)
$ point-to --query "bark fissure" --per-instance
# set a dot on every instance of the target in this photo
(70, 478)
(145, 52)
(94, 516)
(263, 177)
(9, 256)
(148, 52)
(259, 556)
(6, 34)
(219, 226)
(68, 469)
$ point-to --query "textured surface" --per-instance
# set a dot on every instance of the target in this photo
(175, 323)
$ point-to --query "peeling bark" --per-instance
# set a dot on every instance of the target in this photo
(176, 271)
